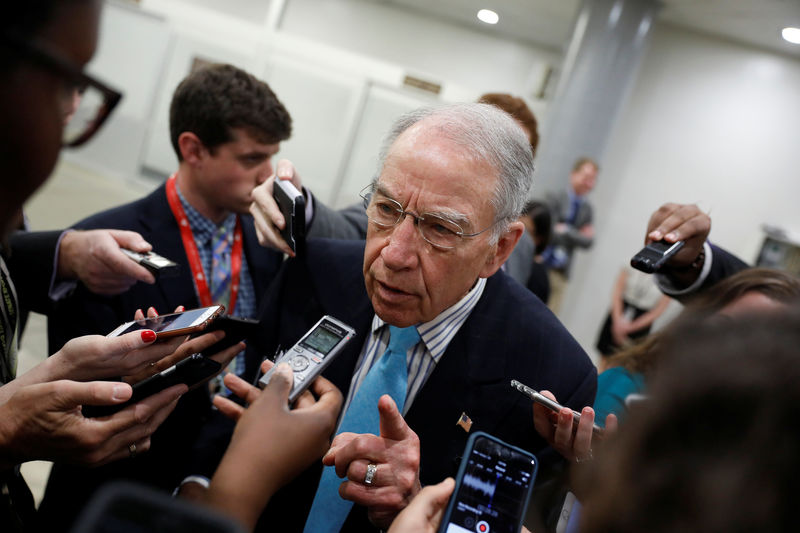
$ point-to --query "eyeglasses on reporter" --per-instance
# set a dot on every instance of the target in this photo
(96, 99)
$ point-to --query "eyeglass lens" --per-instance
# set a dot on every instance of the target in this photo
(434, 229)
(82, 107)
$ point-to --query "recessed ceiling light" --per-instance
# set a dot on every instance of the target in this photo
(490, 17)
(790, 34)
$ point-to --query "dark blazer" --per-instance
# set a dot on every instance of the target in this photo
(30, 258)
(86, 313)
(723, 265)
(509, 334)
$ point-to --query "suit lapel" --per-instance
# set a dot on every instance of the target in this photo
(467, 380)
(348, 296)
(161, 230)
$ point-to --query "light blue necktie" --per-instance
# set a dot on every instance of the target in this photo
(388, 376)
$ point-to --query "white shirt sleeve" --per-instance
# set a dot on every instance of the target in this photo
(667, 287)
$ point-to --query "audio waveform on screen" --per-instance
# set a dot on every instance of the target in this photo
(480, 485)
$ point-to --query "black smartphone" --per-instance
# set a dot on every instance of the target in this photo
(173, 324)
(192, 371)
(553, 405)
(493, 486)
(236, 329)
(125, 507)
(292, 204)
(654, 255)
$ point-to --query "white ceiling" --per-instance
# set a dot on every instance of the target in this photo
(549, 22)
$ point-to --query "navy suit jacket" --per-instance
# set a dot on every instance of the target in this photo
(509, 335)
(85, 313)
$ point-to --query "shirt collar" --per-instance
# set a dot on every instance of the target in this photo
(203, 228)
(437, 333)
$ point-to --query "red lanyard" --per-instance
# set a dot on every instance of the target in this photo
(189, 245)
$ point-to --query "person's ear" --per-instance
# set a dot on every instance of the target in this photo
(192, 148)
(505, 245)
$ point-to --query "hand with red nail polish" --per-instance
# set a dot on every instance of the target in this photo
(96, 357)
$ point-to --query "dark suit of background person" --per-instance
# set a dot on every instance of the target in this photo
(31, 259)
(509, 335)
(571, 238)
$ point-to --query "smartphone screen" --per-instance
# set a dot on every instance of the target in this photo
(492, 489)
(166, 323)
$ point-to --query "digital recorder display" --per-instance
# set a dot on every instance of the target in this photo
(322, 340)
(492, 493)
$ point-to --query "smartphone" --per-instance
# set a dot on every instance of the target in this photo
(292, 204)
(313, 353)
(653, 256)
(192, 371)
(159, 266)
(172, 325)
(493, 486)
(551, 404)
(236, 329)
(125, 507)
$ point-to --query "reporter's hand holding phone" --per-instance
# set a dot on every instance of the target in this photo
(680, 222)
(94, 257)
(258, 460)
(195, 345)
(269, 220)
(557, 428)
(44, 421)
(424, 513)
(94, 357)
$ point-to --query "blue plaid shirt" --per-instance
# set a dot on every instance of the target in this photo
(203, 230)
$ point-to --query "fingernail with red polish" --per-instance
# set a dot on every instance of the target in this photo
(152, 310)
(148, 335)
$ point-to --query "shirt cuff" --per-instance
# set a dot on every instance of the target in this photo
(667, 287)
(309, 206)
(200, 480)
(60, 289)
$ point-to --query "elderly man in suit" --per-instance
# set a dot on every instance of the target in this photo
(443, 217)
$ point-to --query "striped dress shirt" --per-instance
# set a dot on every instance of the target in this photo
(421, 359)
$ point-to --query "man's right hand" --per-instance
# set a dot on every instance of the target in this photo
(267, 215)
(680, 222)
(44, 421)
(94, 257)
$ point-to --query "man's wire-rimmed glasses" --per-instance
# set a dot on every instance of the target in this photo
(437, 230)
(86, 101)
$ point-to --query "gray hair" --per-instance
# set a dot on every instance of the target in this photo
(487, 134)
